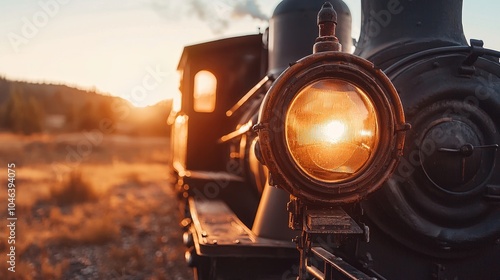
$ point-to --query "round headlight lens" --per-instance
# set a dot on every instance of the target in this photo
(332, 130)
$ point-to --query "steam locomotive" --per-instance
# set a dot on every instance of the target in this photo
(294, 159)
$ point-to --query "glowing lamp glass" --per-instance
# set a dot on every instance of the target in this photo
(332, 130)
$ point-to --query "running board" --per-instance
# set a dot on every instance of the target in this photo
(217, 232)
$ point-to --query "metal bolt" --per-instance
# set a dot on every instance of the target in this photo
(186, 222)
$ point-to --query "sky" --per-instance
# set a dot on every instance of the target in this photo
(131, 48)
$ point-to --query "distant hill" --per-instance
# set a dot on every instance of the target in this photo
(31, 107)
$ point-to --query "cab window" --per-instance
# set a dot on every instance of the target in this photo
(205, 87)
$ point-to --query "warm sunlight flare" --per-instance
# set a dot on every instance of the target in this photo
(113, 45)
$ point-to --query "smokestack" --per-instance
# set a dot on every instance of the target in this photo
(387, 25)
(293, 30)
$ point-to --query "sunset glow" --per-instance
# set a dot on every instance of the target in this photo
(115, 46)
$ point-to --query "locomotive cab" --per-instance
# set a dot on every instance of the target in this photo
(215, 198)
(214, 75)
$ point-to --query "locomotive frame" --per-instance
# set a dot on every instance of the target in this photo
(429, 208)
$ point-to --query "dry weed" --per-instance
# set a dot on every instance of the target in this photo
(115, 218)
(74, 190)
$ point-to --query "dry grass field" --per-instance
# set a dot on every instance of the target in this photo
(90, 206)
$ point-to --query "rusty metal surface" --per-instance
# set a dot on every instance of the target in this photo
(274, 150)
(331, 221)
(337, 268)
(248, 95)
(211, 176)
(327, 22)
(219, 233)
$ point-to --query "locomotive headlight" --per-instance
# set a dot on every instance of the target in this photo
(331, 128)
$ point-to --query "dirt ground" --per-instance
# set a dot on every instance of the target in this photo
(89, 206)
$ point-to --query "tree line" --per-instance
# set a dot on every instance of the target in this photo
(26, 107)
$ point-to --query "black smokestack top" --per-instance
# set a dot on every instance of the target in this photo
(389, 24)
(293, 30)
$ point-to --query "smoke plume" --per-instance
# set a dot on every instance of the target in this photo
(248, 7)
(217, 14)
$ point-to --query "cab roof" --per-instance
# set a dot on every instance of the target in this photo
(217, 45)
